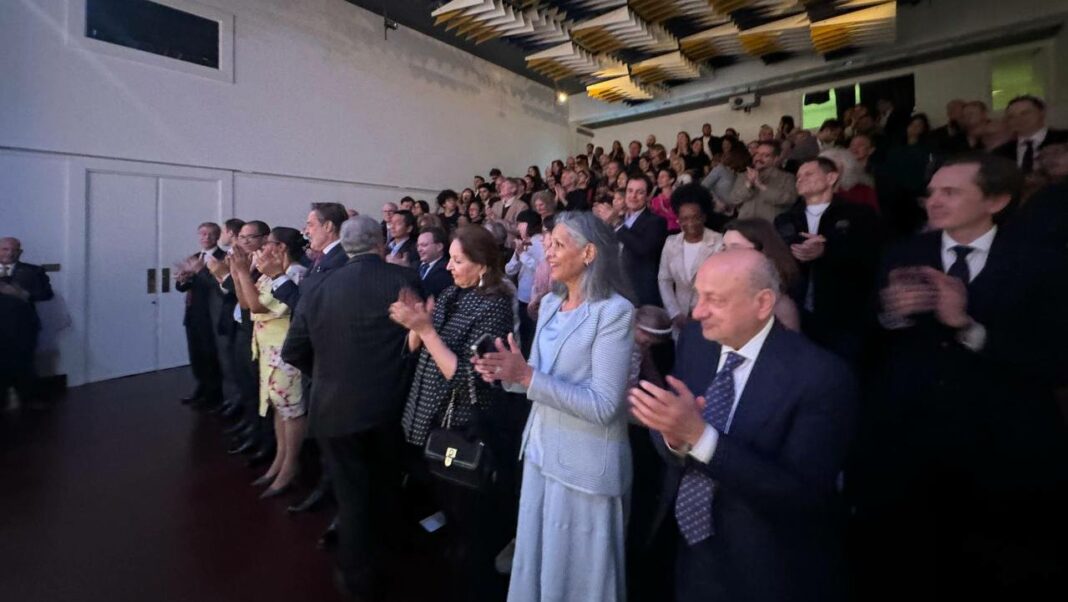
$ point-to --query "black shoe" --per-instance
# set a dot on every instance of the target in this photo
(243, 447)
(329, 537)
(192, 400)
(236, 427)
(248, 432)
(262, 456)
(310, 503)
(271, 492)
(263, 480)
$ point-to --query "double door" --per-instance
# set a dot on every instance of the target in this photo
(141, 220)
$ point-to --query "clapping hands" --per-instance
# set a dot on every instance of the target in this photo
(411, 312)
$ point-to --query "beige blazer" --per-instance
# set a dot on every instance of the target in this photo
(675, 281)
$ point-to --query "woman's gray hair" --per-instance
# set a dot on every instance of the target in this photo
(604, 276)
(361, 234)
(850, 173)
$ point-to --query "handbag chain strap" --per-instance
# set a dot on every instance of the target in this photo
(446, 421)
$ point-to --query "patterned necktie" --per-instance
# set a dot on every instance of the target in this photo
(1027, 164)
(423, 269)
(693, 504)
(959, 269)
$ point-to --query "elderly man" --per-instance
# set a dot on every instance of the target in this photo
(203, 299)
(754, 446)
(387, 216)
(355, 407)
(21, 286)
(765, 191)
(511, 205)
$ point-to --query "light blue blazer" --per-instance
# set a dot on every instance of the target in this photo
(579, 397)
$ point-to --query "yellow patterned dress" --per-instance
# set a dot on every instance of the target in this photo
(279, 382)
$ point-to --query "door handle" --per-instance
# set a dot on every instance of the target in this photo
(165, 285)
(151, 284)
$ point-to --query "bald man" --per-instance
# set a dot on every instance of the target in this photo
(21, 286)
(755, 428)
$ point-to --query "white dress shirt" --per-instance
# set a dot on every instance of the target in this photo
(7, 269)
(705, 447)
(1036, 141)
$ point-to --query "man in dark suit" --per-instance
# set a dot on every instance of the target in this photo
(837, 245)
(203, 299)
(22, 285)
(323, 229)
(401, 250)
(433, 265)
(343, 336)
(642, 234)
(246, 371)
(752, 463)
(963, 471)
(222, 318)
(1026, 116)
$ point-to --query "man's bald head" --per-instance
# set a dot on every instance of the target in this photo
(10, 249)
(736, 295)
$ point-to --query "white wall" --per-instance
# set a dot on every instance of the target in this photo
(320, 108)
(965, 77)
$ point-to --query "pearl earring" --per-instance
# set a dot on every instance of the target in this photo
(480, 280)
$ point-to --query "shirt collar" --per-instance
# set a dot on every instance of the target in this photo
(210, 251)
(430, 265)
(983, 243)
(330, 247)
(1036, 138)
(752, 348)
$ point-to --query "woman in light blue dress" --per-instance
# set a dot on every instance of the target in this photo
(577, 464)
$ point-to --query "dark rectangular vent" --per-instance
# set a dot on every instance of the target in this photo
(155, 28)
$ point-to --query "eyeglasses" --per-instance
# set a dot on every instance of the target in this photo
(253, 237)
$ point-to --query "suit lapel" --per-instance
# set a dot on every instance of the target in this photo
(759, 399)
(576, 321)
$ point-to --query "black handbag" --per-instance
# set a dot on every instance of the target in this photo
(456, 456)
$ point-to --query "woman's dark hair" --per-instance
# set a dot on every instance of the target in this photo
(786, 124)
(692, 194)
(425, 206)
(556, 168)
(537, 172)
(447, 194)
(531, 219)
(737, 158)
(293, 241)
(481, 247)
(467, 190)
(671, 173)
(922, 117)
(762, 234)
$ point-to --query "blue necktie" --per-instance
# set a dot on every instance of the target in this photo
(423, 269)
(960, 269)
(693, 505)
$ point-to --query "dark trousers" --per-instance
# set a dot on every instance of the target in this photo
(203, 357)
(247, 375)
(364, 467)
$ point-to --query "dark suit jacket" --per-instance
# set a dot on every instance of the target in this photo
(776, 510)
(343, 337)
(1008, 149)
(437, 279)
(34, 280)
(407, 250)
(844, 277)
(986, 417)
(642, 245)
(289, 293)
(204, 297)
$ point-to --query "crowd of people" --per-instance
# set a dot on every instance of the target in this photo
(812, 366)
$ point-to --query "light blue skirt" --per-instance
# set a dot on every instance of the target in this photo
(569, 544)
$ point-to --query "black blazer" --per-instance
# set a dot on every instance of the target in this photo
(343, 337)
(408, 252)
(437, 279)
(989, 416)
(289, 293)
(205, 297)
(843, 278)
(776, 511)
(1008, 149)
(642, 244)
(34, 280)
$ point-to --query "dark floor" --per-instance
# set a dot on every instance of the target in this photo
(120, 493)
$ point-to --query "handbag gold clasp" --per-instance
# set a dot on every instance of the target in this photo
(450, 453)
